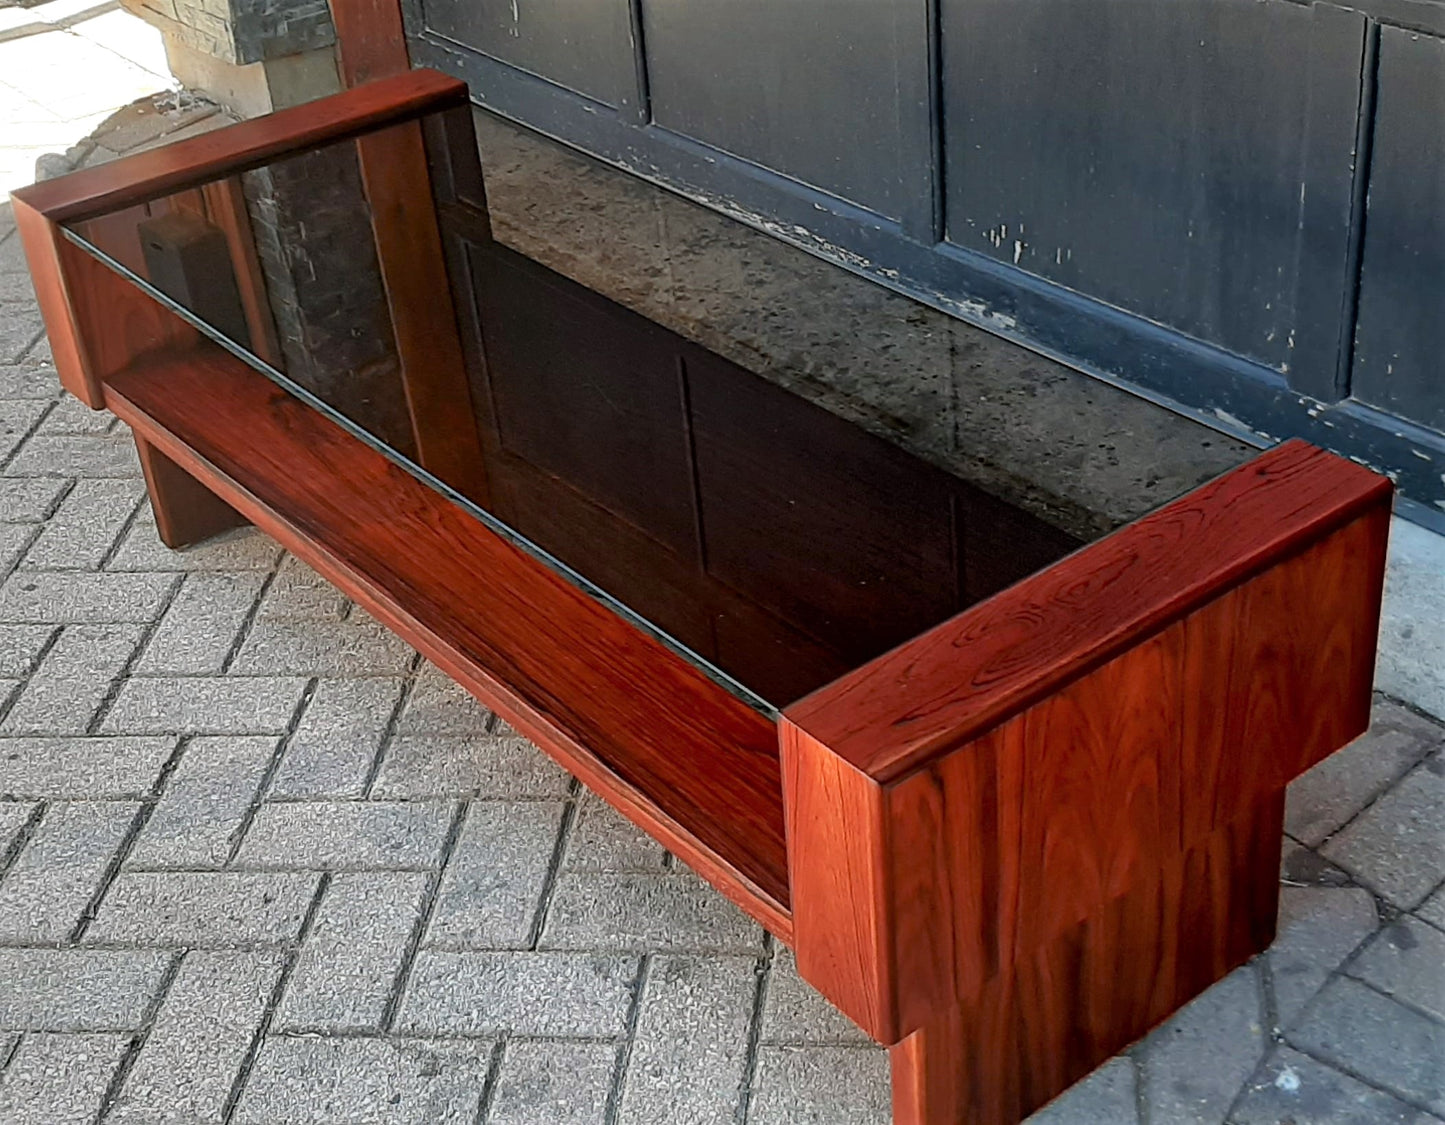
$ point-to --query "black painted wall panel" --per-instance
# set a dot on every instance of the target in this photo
(1147, 154)
(1400, 341)
(583, 45)
(829, 92)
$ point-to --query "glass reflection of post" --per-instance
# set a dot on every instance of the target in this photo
(409, 249)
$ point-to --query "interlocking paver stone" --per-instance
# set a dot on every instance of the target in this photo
(482, 765)
(439, 705)
(1321, 801)
(204, 705)
(30, 499)
(1354, 1027)
(341, 835)
(15, 540)
(298, 593)
(1318, 928)
(1195, 1064)
(71, 416)
(595, 910)
(332, 750)
(201, 625)
(1294, 1089)
(554, 1082)
(691, 1044)
(59, 599)
(1406, 960)
(197, 910)
(347, 968)
(358, 646)
(21, 646)
(548, 994)
(604, 840)
(489, 894)
(238, 550)
(820, 1086)
(80, 768)
(202, 1034)
(33, 376)
(60, 869)
(73, 680)
(13, 817)
(1105, 1097)
(85, 527)
(320, 1081)
(1397, 845)
(78, 989)
(205, 803)
(76, 455)
(1433, 909)
(796, 1012)
(17, 416)
(59, 1079)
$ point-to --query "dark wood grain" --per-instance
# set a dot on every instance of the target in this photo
(966, 675)
(248, 144)
(640, 726)
(423, 320)
(186, 511)
(370, 40)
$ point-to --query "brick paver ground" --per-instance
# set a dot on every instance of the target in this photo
(259, 863)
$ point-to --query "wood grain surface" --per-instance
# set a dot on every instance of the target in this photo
(971, 672)
(639, 725)
(247, 144)
(1092, 836)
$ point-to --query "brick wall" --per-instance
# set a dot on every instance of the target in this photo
(242, 31)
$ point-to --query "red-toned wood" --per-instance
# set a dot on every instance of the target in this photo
(1081, 855)
(226, 207)
(44, 244)
(186, 511)
(97, 321)
(247, 144)
(1027, 1034)
(965, 675)
(639, 725)
(409, 251)
(370, 39)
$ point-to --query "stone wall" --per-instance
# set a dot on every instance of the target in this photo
(241, 31)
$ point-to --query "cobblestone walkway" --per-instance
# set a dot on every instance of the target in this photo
(260, 864)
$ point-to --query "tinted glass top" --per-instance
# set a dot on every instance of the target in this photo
(771, 542)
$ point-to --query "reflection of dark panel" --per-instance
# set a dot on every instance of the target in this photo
(591, 393)
(830, 92)
(764, 534)
(1400, 341)
(1146, 154)
(833, 528)
(580, 44)
(188, 260)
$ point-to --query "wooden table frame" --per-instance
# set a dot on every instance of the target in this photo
(1006, 849)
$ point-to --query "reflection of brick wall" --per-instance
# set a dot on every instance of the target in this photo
(312, 228)
(242, 31)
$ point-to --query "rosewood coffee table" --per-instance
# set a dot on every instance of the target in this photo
(1012, 798)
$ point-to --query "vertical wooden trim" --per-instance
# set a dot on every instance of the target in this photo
(45, 246)
(226, 207)
(370, 40)
(413, 270)
(838, 867)
(186, 511)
